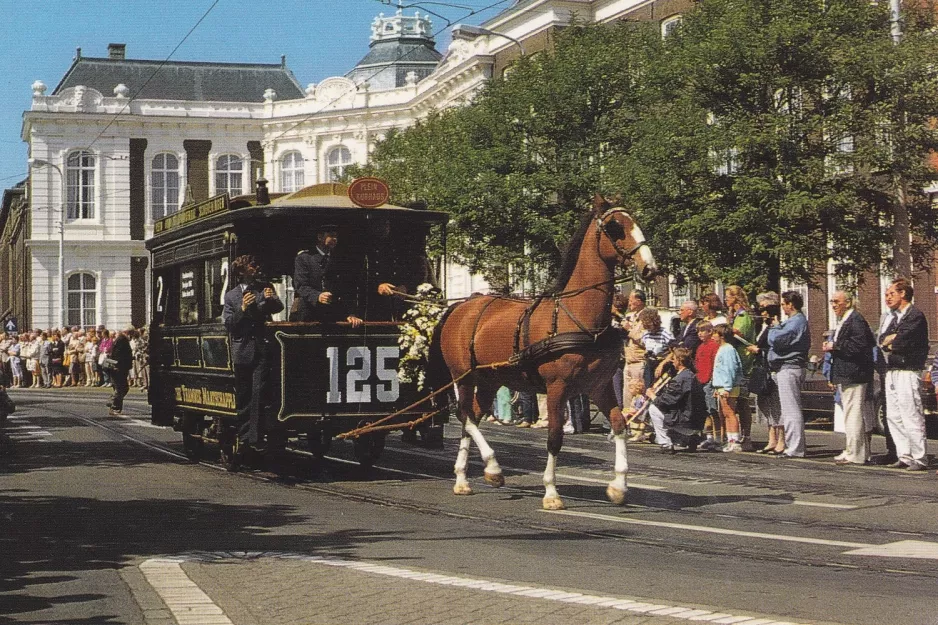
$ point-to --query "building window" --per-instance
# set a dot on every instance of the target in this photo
(670, 25)
(79, 167)
(228, 174)
(82, 300)
(291, 172)
(338, 159)
(164, 185)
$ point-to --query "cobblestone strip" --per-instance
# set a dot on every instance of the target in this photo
(188, 604)
(674, 612)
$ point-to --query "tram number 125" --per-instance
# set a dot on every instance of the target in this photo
(361, 363)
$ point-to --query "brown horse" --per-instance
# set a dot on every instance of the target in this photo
(571, 347)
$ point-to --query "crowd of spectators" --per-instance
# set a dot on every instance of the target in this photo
(71, 357)
(695, 383)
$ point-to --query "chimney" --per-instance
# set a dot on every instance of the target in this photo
(116, 51)
(263, 196)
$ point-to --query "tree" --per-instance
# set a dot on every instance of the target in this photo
(516, 166)
(772, 134)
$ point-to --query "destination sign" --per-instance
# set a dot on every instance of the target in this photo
(194, 212)
(368, 192)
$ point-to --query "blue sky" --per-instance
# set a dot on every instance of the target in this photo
(320, 38)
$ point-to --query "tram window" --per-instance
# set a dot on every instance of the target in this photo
(216, 279)
(189, 281)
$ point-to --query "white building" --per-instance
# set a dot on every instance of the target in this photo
(119, 142)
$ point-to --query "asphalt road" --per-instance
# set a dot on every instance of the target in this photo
(102, 520)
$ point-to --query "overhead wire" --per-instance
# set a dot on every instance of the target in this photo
(154, 73)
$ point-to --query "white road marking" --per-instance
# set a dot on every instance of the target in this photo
(902, 549)
(917, 549)
(596, 480)
(802, 502)
(708, 529)
(187, 602)
(175, 583)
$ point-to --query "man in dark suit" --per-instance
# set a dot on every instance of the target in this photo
(686, 332)
(248, 306)
(905, 344)
(851, 349)
(314, 283)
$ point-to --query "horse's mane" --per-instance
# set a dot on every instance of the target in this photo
(570, 256)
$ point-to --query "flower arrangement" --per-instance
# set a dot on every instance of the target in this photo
(416, 333)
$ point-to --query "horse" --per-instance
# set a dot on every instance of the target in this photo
(562, 343)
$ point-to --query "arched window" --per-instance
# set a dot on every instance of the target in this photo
(669, 25)
(291, 172)
(338, 159)
(164, 185)
(82, 300)
(229, 170)
(79, 168)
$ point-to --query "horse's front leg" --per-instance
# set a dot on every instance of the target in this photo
(605, 400)
(556, 400)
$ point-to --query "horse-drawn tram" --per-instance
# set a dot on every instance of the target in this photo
(324, 378)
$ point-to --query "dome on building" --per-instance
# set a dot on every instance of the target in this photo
(402, 52)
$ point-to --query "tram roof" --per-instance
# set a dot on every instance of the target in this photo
(319, 203)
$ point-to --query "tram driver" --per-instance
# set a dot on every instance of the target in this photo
(394, 266)
(314, 282)
(247, 307)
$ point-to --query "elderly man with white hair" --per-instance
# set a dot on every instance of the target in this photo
(686, 332)
(851, 348)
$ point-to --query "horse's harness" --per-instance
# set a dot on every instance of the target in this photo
(528, 357)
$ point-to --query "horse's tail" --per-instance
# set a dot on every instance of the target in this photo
(437, 373)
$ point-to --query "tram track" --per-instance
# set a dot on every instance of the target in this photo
(670, 542)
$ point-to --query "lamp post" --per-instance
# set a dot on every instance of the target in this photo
(474, 31)
(38, 162)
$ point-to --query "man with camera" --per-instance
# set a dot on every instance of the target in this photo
(248, 306)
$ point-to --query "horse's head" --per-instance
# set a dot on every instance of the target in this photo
(621, 239)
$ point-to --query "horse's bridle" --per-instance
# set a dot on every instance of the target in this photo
(601, 225)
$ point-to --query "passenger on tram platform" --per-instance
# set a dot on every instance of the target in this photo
(394, 264)
(247, 307)
(315, 281)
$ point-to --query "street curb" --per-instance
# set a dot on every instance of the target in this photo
(155, 611)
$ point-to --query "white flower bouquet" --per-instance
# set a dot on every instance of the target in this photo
(417, 332)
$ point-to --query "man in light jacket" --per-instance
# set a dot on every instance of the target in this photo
(789, 342)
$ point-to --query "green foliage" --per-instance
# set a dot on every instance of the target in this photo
(761, 138)
(821, 113)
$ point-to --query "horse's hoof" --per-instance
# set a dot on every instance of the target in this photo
(615, 495)
(495, 480)
(462, 489)
(553, 503)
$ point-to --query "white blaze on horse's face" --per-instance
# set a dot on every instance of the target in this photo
(643, 251)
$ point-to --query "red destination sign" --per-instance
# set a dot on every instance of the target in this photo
(368, 192)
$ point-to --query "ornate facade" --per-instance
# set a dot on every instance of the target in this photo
(120, 142)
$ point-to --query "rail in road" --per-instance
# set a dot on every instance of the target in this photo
(749, 519)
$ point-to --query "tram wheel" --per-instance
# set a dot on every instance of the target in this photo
(319, 442)
(368, 448)
(192, 443)
(231, 454)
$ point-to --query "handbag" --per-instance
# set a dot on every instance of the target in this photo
(760, 379)
(109, 363)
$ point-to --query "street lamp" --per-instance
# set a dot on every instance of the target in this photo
(38, 162)
(467, 31)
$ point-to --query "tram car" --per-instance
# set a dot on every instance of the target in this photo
(325, 379)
